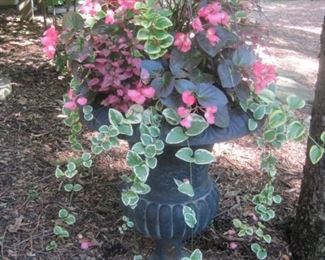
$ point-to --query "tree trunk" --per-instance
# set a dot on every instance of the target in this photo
(308, 234)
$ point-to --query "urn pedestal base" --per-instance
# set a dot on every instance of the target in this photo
(159, 214)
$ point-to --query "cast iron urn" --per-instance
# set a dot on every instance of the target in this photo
(159, 213)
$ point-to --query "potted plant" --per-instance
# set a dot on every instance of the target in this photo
(172, 78)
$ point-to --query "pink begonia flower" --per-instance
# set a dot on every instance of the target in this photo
(90, 7)
(82, 101)
(183, 112)
(221, 18)
(86, 244)
(183, 42)
(70, 105)
(231, 232)
(209, 114)
(210, 9)
(127, 4)
(212, 36)
(136, 96)
(109, 18)
(188, 98)
(49, 41)
(148, 92)
(263, 74)
(187, 121)
(197, 25)
(233, 245)
(74, 101)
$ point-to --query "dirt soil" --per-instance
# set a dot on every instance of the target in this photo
(33, 140)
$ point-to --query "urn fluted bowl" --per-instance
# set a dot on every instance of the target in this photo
(159, 213)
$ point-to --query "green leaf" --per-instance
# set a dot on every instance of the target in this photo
(71, 174)
(86, 156)
(171, 116)
(185, 188)
(77, 187)
(295, 102)
(261, 254)
(189, 216)
(259, 232)
(112, 131)
(63, 213)
(151, 47)
(96, 149)
(133, 159)
(130, 198)
(159, 145)
(61, 232)
(166, 43)
(73, 21)
(70, 219)
(154, 131)
(322, 137)
(277, 199)
(316, 153)
(202, 156)
(259, 112)
(176, 136)
(143, 34)
(142, 172)
(125, 129)
(269, 135)
(151, 162)
(237, 223)
(267, 96)
(277, 118)
(185, 154)
(115, 117)
(140, 188)
(71, 166)
(196, 255)
(255, 247)
(59, 173)
(88, 117)
(267, 238)
(162, 23)
(197, 127)
(52, 246)
(138, 148)
(103, 129)
(87, 109)
(296, 130)
(150, 151)
(249, 231)
(68, 187)
(252, 124)
(146, 139)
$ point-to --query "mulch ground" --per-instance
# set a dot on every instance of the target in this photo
(33, 140)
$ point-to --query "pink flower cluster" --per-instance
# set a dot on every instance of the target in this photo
(263, 74)
(212, 15)
(74, 101)
(90, 7)
(127, 4)
(183, 42)
(49, 41)
(115, 73)
(185, 112)
(208, 16)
